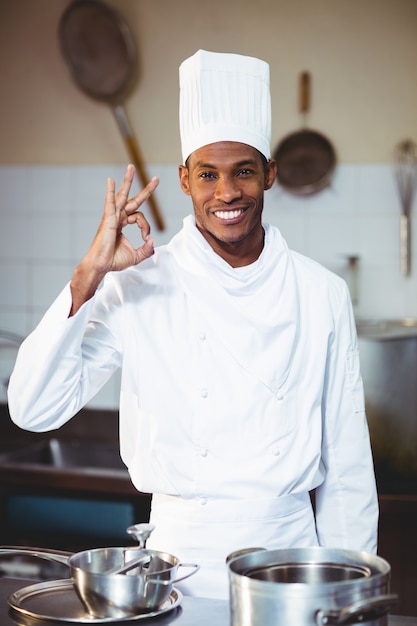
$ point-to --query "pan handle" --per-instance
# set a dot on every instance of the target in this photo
(150, 579)
(59, 556)
(362, 611)
(304, 93)
(135, 155)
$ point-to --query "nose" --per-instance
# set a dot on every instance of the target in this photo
(227, 189)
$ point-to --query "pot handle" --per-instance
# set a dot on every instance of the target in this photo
(59, 556)
(361, 611)
(177, 580)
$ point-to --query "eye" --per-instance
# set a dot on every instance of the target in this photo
(245, 172)
(206, 175)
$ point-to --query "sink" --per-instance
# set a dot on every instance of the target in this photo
(61, 454)
(66, 465)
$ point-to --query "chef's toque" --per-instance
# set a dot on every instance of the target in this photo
(224, 97)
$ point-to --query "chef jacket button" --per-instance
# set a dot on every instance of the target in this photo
(202, 336)
(203, 452)
(275, 451)
(202, 500)
(280, 397)
(203, 392)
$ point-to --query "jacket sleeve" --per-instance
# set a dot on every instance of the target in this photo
(60, 366)
(346, 501)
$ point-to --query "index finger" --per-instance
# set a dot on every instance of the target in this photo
(134, 203)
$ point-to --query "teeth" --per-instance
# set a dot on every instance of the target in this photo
(228, 215)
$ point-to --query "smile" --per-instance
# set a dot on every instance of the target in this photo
(228, 215)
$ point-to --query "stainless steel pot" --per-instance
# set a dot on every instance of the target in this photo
(309, 587)
(388, 352)
(110, 595)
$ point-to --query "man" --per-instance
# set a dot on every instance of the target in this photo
(241, 391)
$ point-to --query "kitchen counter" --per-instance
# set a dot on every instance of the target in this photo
(193, 611)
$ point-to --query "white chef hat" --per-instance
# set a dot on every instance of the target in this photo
(224, 97)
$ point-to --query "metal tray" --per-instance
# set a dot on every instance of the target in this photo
(57, 601)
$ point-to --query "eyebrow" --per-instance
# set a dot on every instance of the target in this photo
(238, 164)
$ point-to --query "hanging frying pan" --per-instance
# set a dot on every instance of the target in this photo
(305, 159)
(101, 54)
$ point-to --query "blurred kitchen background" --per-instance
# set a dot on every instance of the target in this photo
(58, 146)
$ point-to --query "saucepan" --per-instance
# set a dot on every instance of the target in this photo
(308, 587)
(118, 582)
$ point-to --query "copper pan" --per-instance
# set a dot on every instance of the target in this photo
(306, 158)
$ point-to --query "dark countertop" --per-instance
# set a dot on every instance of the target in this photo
(192, 611)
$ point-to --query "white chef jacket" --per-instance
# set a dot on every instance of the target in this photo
(240, 394)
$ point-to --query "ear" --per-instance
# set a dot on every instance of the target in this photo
(270, 173)
(184, 179)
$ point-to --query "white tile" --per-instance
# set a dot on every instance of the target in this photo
(281, 200)
(51, 189)
(14, 189)
(332, 239)
(15, 235)
(51, 237)
(377, 191)
(13, 284)
(14, 320)
(345, 180)
(379, 240)
(381, 293)
(410, 295)
(48, 280)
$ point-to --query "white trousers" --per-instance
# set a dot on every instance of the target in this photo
(205, 531)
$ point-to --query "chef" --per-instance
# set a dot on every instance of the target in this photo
(241, 391)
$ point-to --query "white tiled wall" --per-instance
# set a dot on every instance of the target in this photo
(49, 216)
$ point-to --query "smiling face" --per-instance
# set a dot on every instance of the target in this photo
(226, 181)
